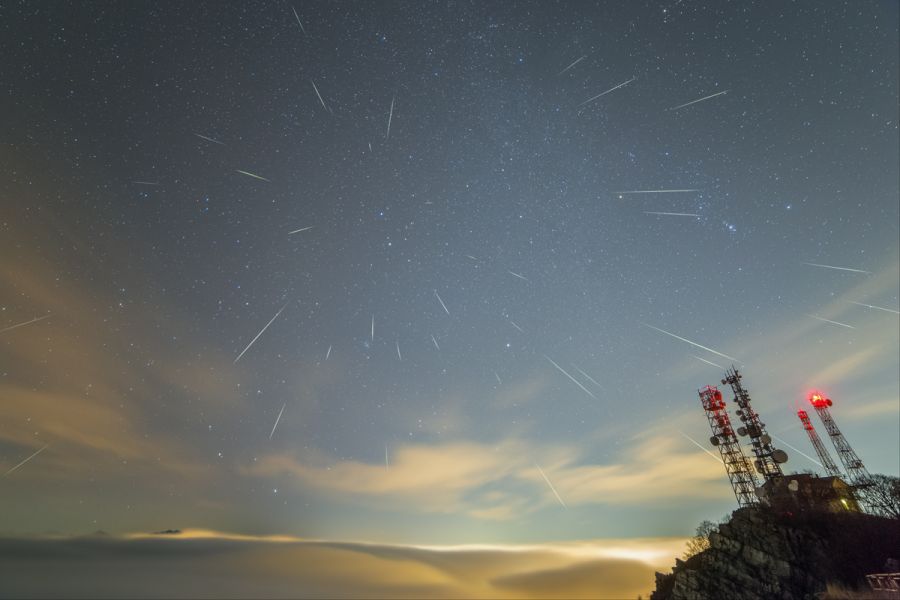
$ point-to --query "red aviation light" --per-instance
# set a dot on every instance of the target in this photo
(805, 419)
(818, 400)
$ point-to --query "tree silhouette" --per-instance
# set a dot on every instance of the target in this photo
(700, 541)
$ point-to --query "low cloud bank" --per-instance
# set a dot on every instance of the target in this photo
(208, 565)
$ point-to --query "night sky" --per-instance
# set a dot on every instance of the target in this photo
(470, 251)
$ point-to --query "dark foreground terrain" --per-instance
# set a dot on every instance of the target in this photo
(759, 554)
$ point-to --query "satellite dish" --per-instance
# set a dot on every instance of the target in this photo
(779, 456)
(714, 441)
(794, 485)
(742, 431)
(765, 439)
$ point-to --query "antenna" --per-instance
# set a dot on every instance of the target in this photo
(768, 459)
(736, 463)
(856, 470)
(830, 467)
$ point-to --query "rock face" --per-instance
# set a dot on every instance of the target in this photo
(761, 555)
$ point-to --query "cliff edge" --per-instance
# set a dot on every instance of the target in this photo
(760, 555)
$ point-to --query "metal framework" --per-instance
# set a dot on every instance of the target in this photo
(741, 476)
(768, 459)
(856, 470)
(827, 462)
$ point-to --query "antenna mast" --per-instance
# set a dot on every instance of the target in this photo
(736, 463)
(768, 459)
(827, 462)
(856, 470)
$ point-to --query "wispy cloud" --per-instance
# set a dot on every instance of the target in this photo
(89, 383)
(500, 480)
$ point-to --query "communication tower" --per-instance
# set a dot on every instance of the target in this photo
(768, 458)
(856, 470)
(830, 467)
(736, 463)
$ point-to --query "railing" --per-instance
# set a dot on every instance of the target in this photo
(885, 582)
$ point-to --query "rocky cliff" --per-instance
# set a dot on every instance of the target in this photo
(761, 555)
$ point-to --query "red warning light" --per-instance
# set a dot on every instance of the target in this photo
(804, 418)
(818, 400)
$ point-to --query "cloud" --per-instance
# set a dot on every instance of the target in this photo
(108, 384)
(880, 409)
(434, 478)
(616, 579)
(658, 467)
(209, 564)
(501, 480)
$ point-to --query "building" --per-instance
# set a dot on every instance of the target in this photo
(802, 492)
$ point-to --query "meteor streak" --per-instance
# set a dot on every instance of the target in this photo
(26, 460)
(707, 362)
(435, 343)
(839, 268)
(555, 493)
(564, 372)
(612, 89)
(319, 95)
(296, 16)
(670, 214)
(327, 354)
(832, 322)
(146, 182)
(499, 381)
(572, 65)
(300, 230)
(277, 420)
(441, 301)
(399, 356)
(259, 334)
(589, 378)
(513, 323)
(209, 139)
(517, 275)
(677, 337)
(248, 174)
(896, 312)
(656, 191)
(798, 451)
(11, 327)
(373, 328)
(691, 440)
(387, 135)
(698, 100)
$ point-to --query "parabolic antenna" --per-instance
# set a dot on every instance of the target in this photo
(780, 456)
